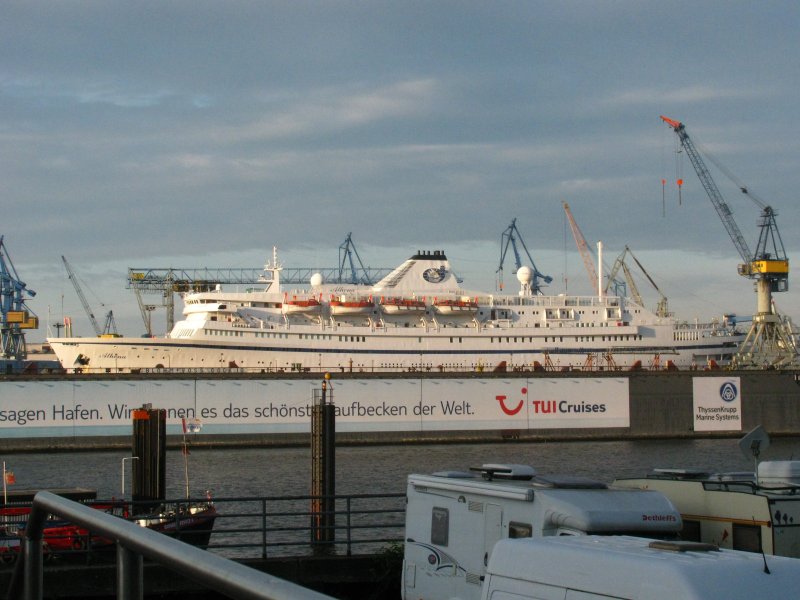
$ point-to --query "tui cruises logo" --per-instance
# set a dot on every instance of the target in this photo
(511, 411)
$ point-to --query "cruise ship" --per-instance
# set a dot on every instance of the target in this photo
(417, 318)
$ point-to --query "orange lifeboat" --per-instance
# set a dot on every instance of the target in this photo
(455, 306)
(341, 306)
(299, 306)
(397, 306)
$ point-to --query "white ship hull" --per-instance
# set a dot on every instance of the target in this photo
(253, 332)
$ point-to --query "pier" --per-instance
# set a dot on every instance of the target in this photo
(361, 557)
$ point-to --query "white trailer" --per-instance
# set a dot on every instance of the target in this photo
(455, 518)
(630, 568)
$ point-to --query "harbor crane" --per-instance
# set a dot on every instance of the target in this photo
(110, 327)
(346, 252)
(620, 288)
(770, 341)
(15, 316)
(583, 249)
(662, 309)
(509, 237)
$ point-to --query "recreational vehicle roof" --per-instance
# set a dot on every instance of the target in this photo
(571, 502)
(629, 567)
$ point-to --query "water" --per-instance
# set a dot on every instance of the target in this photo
(377, 469)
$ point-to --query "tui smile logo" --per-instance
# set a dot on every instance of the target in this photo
(511, 411)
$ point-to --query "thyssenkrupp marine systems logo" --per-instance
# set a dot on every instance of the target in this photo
(728, 392)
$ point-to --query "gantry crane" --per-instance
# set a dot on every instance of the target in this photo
(15, 316)
(169, 281)
(509, 237)
(110, 327)
(769, 342)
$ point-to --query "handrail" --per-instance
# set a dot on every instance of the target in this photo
(134, 542)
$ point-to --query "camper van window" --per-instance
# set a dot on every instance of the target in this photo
(691, 531)
(747, 537)
(519, 530)
(440, 526)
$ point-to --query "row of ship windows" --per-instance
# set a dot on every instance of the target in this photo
(300, 336)
(686, 335)
(453, 340)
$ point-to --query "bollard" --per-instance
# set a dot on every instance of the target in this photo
(149, 446)
(323, 468)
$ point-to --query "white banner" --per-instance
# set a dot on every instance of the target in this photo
(717, 403)
(32, 409)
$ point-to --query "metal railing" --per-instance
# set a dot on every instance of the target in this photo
(239, 528)
(133, 543)
(273, 526)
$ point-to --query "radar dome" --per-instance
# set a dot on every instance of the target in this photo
(316, 280)
(524, 275)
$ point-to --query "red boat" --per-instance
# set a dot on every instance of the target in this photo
(190, 522)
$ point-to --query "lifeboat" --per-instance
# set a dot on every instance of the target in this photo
(397, 306)
(455, 306)
(341, 306)
(300, 306)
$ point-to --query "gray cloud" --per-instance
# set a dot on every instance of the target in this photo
(149, 132)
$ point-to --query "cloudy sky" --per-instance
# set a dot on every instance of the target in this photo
(200, 134)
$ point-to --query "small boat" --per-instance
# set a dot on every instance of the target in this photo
(455, 306)
(190, 522)
(341, 305)
(395, 305)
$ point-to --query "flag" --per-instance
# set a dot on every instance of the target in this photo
(10, 478)
(192, 425)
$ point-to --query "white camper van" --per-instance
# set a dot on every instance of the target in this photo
(754, 511)
(455, 518)
(621, 567)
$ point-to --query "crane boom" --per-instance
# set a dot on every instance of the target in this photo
(583, 248)
(769, 262)
(82, 298)
(722, 208)
(346, 251)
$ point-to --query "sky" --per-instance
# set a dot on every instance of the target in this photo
(194, 134)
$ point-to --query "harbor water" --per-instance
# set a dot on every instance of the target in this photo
(377, 469)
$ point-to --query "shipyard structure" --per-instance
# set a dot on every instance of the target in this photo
(83, 411)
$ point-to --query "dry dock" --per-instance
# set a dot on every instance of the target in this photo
(83, 412)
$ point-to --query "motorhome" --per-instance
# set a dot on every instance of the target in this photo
(755, 511)
(455, 518)
(631, 568)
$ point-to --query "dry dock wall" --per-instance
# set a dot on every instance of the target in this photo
(237, 409)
